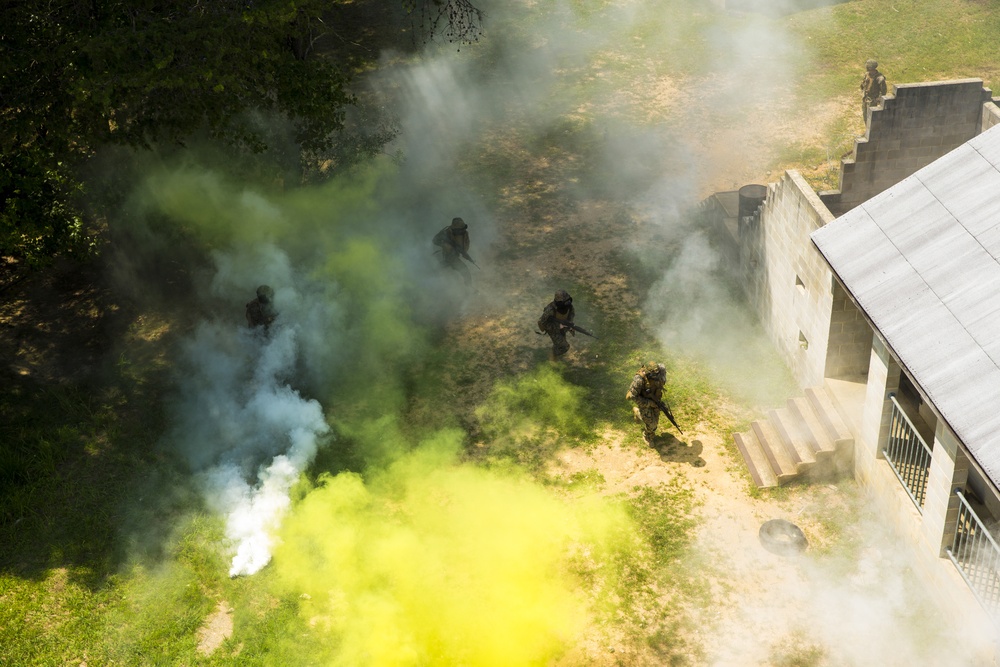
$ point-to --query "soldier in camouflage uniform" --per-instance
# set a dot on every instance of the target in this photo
(453, 242)
(260, 311)
(558, 312)
(645, 390)
(873, 88)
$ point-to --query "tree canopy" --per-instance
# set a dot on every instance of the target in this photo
(77, 75)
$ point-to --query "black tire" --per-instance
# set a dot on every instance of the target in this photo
(782, 537)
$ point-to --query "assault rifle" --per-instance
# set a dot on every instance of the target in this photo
(570, 325)
(665, 409)
(461, 252)
(574, 327)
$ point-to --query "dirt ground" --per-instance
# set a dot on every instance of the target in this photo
(63, 325)
(767, 609)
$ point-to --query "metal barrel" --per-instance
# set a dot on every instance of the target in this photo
(751, 197)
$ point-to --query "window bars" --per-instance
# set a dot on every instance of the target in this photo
(976, 555)
(908, 455)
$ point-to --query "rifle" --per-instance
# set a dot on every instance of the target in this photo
(570, 325)
(666, 410)
(461, 252)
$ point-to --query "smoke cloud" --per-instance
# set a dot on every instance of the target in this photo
(435, 562)
(240, 424)
(413, 557)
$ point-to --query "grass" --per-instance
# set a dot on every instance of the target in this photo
(797, 651)
(105, 553)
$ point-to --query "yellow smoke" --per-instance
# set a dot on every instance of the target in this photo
(435, 562)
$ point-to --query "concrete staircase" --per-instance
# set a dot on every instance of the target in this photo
(806, 437)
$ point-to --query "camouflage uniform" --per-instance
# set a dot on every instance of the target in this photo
(260, 311)
(450, 239)
(873, 88)
(646, 388)
(560, 310)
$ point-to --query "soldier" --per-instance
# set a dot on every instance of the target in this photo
(646, 389)
(260, 311)
(873, 88)
(555, 316)
(453, 242)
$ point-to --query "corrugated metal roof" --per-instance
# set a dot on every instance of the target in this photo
(921, 259)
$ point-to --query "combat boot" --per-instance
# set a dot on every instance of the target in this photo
(649, 438)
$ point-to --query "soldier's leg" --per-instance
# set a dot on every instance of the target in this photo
(559, 344)
(464, 271)
(650, 420)
(552, 353)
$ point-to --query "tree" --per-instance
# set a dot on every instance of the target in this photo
(77, 75)
(455, 20)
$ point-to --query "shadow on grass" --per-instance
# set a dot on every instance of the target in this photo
(73, 472)
(80, 413)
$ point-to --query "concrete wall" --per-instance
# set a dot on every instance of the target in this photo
(788, 282)
(917, 124)
(814, 326)
(850, 341)
(991, 114)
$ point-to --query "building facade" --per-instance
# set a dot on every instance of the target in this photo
(885, 294)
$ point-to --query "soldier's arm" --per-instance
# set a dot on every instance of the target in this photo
(546, 319)
(634, 392)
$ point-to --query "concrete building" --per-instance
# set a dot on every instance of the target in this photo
(883, 297)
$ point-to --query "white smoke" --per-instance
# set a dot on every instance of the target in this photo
(246, 431)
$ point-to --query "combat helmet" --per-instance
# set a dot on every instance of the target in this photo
(653, 369)
(871, 64)
(458, 224)
(562, 296)
(265, 294)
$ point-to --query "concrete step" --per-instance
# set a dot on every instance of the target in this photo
(789, 426)
(784, 467)
(812, 431)
(756, 460)
(829, 416)
(809, 434)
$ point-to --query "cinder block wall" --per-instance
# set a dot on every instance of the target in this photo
(787, 280)
(915, 126)
(850, 343)
(991, 114)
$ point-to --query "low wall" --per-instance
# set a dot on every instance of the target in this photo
(991, 114)
(916, 125)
